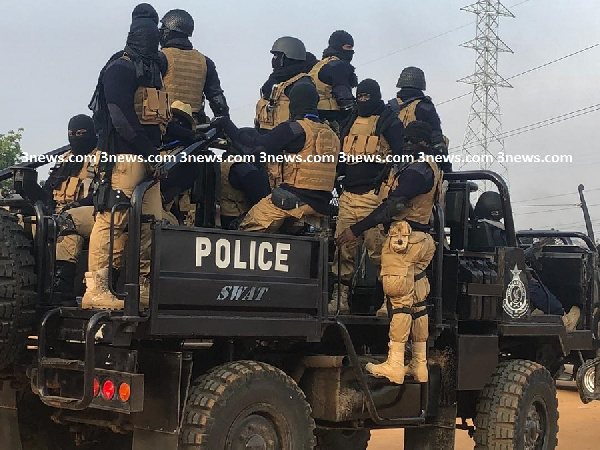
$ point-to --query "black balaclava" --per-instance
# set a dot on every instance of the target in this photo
(303, 100)
(369, 107)
(311, 60)
(85, 143)
(142, 45)
(415, 134)
(284, 68)
(337, 40)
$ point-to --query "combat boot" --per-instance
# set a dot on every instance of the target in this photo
(144, 293)
(418, 364)
(344, 307)
(571, 319)
(97, 295)
(393, 368)
(63, 292)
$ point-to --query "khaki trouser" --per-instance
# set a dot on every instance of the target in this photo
(125, 177)
(354, 208)
(266, 217)
(406, 253)
(69, 246)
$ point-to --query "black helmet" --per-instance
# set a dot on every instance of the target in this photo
(178, 20)
(489, 206)
(411, 77)
(291, 47)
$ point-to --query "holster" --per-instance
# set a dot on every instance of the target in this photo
(105, 197)
(285, 200)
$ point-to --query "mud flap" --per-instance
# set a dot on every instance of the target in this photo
(9, 421)
(588, 380)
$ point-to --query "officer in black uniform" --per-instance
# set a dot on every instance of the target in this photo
(190, 75)
(335, 78)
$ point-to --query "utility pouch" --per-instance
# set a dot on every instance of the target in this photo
(101, 194)
(155, 107)
(399, 236)
(285, 200)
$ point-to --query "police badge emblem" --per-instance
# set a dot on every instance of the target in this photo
(515, 302)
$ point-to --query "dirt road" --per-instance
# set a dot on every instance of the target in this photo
(579, 427)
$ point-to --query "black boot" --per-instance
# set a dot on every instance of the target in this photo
(63, 293)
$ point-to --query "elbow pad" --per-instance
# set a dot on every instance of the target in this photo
(218, 104)
(394, 206)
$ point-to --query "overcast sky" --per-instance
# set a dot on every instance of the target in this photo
(53, 51)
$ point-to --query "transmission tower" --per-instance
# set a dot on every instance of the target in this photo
(483, 136)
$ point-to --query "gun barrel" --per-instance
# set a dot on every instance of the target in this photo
(42, 160)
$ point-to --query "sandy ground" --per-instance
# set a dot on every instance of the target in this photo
(579, 427)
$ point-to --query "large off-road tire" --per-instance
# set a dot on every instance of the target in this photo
(17, 288)
(342, 439)
(246, 404)
(517, 409)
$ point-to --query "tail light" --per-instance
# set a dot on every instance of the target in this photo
(124, 392)
(96, 387)
(108, 389)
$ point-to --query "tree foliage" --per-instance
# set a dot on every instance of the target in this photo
(10, 152)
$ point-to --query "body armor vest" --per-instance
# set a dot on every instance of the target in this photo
(276, 109)
(420, 207)
(74, 188)
(315, 168)
(233, 202)
(186, 76)
(327, 101)
(407, 113)
(361, 140)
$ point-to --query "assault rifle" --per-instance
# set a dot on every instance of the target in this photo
(41, 160)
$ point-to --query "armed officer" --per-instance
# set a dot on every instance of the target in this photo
(190, 76)
(335, 78)
(374, 132)
(131, 109)
(412, 104)
(273, 107)
(408, 249)
(311, 148)
(69, 186)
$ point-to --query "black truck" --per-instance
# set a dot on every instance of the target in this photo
(237, 350)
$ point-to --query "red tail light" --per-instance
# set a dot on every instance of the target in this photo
(108, 389)
(96, 387)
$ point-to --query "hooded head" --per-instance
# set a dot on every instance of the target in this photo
(303, 100)
(417, 138)
(142, 44)
(82, 135)
(341, 44)
(368, 97)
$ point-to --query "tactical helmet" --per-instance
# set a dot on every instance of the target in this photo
(489, 206)
(291, 47)
(411, 77)
(178, 20)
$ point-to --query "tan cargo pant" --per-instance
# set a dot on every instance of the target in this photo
(125, 177)
(268, 218)
(69, 246)
(354, 208)
(404, 255)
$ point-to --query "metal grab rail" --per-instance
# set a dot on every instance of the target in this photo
(86, 366)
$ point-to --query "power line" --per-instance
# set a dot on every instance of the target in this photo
(553, 196)
(528, 71)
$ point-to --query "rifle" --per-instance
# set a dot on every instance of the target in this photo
(163, 169)
(41, 160)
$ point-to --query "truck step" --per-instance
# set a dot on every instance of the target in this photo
(61, 363)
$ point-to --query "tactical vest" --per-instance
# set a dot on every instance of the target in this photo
(361, 140)
(308, 173)
(276, 109)
(327, 101)
(408, 112)
(74, 188)
(420, 207)
(233, 202)
(186, 76)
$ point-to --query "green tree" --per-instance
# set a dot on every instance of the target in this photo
(10, 152)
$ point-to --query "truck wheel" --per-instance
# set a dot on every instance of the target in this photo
(246, 404)
(342, 439)
(17, 288)
(517, 409)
